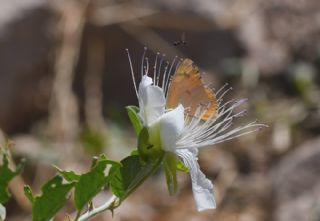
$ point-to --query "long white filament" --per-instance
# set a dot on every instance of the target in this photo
(161, 73)
(199, 134)
(216, 128)
(132, 73)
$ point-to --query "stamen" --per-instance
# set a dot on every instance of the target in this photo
(233, 133)
(224, 93)
(222, 107)
(164, 76)
(145, 70)
(132, 73)
(222, 88)
(147, 66)
(178, 64)
(167, 84)
(198, 134)
(155, 69)
(159, 69)
(142, 62)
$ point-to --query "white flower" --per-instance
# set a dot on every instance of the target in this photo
(181, 134)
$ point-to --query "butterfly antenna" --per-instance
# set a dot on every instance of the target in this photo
(132, 73)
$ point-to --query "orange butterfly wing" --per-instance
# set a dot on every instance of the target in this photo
(187, 88)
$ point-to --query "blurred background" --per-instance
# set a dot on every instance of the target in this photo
(65, 80)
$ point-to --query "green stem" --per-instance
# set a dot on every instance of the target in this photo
(78, 215)
(114, 199)
(98, 210)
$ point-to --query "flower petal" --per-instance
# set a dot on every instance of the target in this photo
(151, 101)
(201, 186)
(171, 126)
(145, 82)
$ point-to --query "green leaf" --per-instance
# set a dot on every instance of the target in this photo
(54, 196)
(6, 175)
(170, 167)
(172, 164)
(28, 192)
(2, 212)
(70, 176)
(134, 118)
(90, 183)
(132, 173)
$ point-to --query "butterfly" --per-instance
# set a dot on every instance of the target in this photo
(188, 89)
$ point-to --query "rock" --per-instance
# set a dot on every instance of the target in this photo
(25, 42)
(296, 184)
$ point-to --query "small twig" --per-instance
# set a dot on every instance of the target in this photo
(63, 115)
(93, 84)
(16, 188)
(98, 210)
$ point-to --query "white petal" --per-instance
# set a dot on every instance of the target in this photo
(171, 127)
(201, 186)
(145, 82)
(2, 212)
(151, 101)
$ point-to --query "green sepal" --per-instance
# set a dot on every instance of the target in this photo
(134, 118)
(147, 151)
(170, 167)
(172, 164)
(135, 152)
(54, 196)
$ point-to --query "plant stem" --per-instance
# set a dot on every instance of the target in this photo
(111, 203)
(98, 210)
(78, 215)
